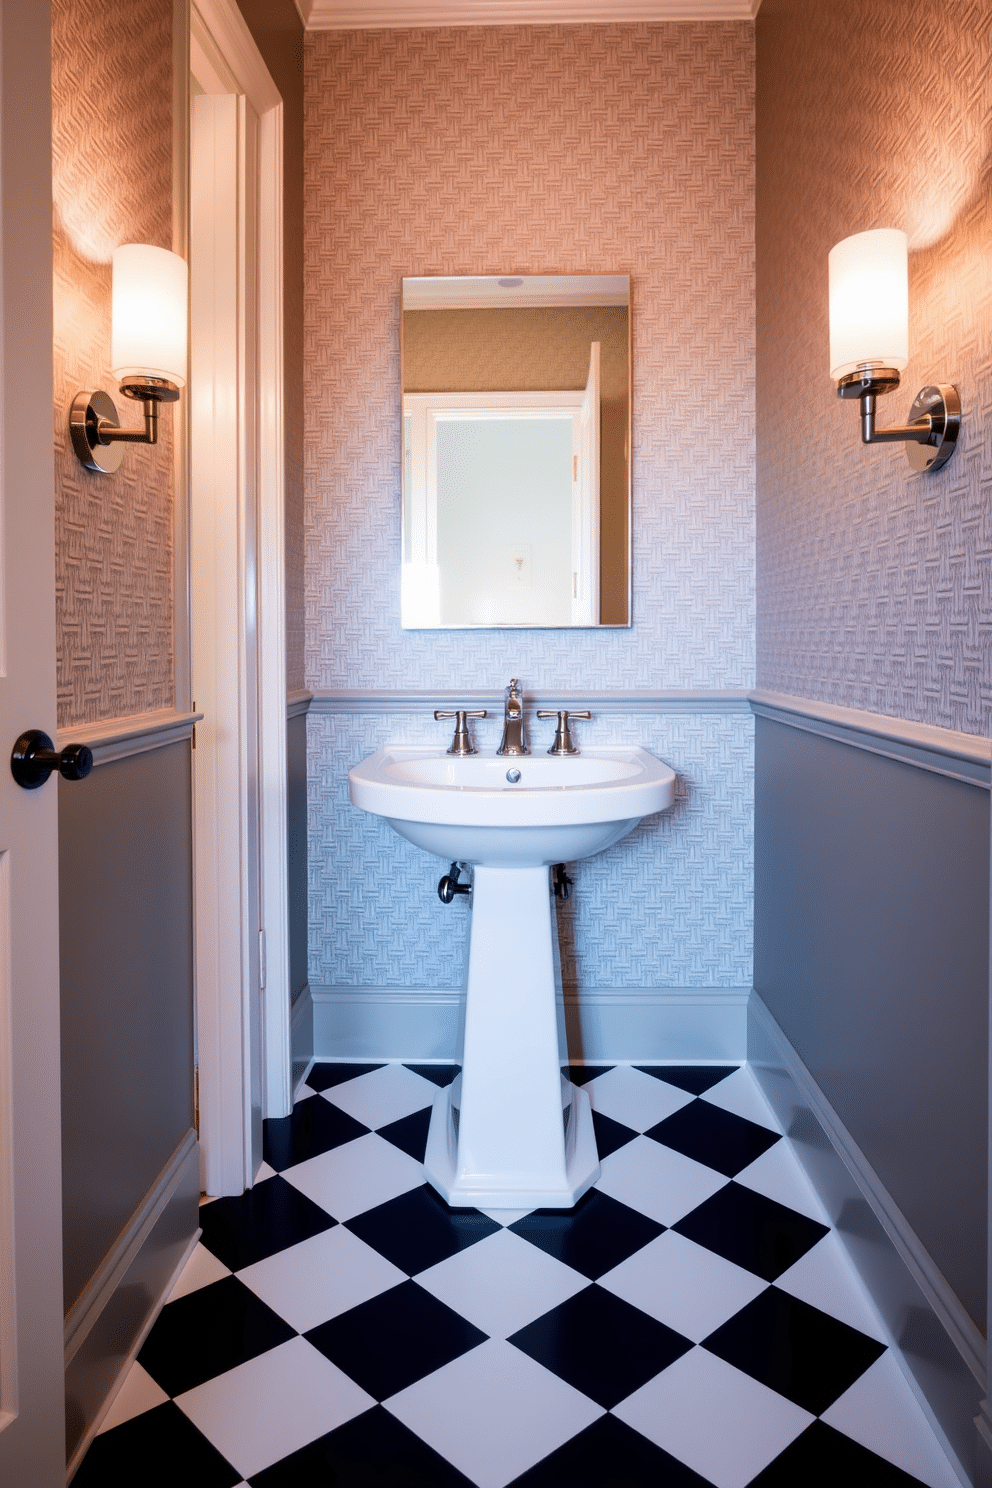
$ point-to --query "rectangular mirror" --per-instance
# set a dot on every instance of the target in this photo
(516, 451)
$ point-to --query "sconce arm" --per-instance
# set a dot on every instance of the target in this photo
(921, 431)
(109, 433)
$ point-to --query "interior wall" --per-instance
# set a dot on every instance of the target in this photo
(874, 583)
(130, 1161)
(111, 87)
(570, 149)
(574, 149)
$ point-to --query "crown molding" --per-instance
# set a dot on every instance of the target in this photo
(376, 15)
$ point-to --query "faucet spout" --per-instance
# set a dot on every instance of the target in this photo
(513, 741)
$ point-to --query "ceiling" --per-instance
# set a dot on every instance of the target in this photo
(354, 15)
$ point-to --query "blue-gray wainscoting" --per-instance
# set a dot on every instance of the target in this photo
(869, 1021)
(130, 1158)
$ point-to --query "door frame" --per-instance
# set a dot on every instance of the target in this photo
(223, 50)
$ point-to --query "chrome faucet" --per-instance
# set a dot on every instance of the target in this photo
(513, 741)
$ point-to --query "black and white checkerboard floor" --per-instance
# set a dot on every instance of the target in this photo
(692, 1322)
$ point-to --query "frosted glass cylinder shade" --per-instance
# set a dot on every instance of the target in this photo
(148, 338)
(869, 301)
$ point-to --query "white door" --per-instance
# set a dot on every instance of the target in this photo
(32, 1442)
(585, 503)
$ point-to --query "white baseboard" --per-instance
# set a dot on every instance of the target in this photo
(675, 1024)
(934, 1340)
(301, 1039)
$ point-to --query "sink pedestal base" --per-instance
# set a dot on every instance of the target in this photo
(511, 1134)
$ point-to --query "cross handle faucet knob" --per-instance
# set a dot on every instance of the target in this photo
(461, 743)
(563, 738)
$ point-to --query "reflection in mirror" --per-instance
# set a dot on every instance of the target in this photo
(516, 451)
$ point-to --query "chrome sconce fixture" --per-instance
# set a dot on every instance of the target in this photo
(147, 354)
(869, 345)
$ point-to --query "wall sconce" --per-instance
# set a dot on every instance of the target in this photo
(869, 345)
(147, 354)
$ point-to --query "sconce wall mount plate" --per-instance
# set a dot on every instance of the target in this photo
(89, 410)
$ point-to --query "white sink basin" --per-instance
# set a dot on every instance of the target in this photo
(469, 810)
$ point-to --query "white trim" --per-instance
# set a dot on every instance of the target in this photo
(118, 738)
(272, 765)
(942, 751)
(244, 708)
(665, 1024)
(355, 15)
(670, 700)
(949, 1311)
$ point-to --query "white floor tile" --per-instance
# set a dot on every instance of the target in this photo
(383, 1096)
(264, 1172)
(658, 1181)
(269, 1407)
(825, 1278)
(357, 1176)
(321, 1277)
(740, 1094)
(138, 1393)
(494, 1412)
(779, 1175)
(306, 1092)
(502, 1283)
(635, 1099)
(200, 1270)
(718, 1421)
(881, 1412)
(683, 1285)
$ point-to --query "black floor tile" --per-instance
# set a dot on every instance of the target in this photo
(752, 1231)
(694, 1078)
(439, 1074)
(373, 1450)
(601, 1345)
(208, 1332)
(595, 1236)
(608, 1454)
(418, 1229)
(395, 1339)
(717, 1138)
(157, 1449)
(581, 1074)
(794, 1348)
(409, 1134)
(824, 1458)
(315, 1126)
(610, 1135)
(269, 1217)
(325, 1076)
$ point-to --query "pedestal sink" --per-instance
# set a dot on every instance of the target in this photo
(512, 1132)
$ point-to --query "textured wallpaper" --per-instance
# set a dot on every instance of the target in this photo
(670, 905)
(875, 584)
(576, 149)
(112, 184)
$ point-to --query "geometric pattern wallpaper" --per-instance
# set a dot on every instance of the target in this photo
(669, 906)
(536, 149)
(875, 583)
(112, 184)
(624, 148)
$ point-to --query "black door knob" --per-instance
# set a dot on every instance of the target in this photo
(34, 757)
